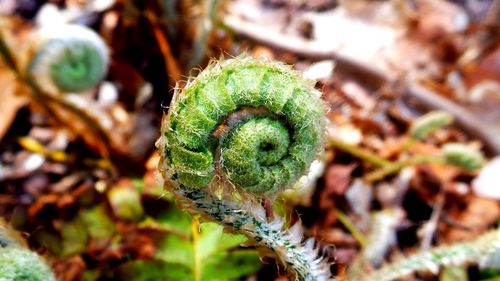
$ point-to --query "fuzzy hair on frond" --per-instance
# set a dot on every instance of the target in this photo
(484, 251)
(301, 256)
(242, 130)
(230, 86)
(67, 58)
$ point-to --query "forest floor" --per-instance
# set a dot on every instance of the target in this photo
(78, 172)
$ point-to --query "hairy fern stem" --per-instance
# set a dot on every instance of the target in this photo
(243, 130)
(300, 255)
(485, 251)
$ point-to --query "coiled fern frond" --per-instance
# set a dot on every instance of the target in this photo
(271, 127)
(68, 59)
(243, 130)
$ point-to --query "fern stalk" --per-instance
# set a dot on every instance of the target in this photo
(242, 131)
(302, 256)
(483, 251)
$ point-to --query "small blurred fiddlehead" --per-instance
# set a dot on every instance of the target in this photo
(18, 263)
(58, 59)
(68, 59)
(243, 130)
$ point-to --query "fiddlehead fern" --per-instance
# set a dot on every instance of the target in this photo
(245, 129)
(68, 58)
(259, 154)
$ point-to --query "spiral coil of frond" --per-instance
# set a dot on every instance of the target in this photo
(245, 129)
(270, 144)
(68, 59)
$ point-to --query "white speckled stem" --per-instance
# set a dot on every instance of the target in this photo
(297, 255)
(485, 251)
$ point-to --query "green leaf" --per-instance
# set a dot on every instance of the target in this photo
(153, 271)
(454, 273)
(207, 244)
(91, 275)
(126, 202)
(231, 265)
(426, 124)
(74, 236)
(214, 240)
(490, 274)
(209, 254)
(175, 220)
(177, 250)
(99, 224)
(463, 156)
(50, 240)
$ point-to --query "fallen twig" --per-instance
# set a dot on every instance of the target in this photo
(488, 133)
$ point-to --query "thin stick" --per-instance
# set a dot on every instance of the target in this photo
(170, 62)
(398, 166)
(374, 77)
(358, 152)
(353, 229)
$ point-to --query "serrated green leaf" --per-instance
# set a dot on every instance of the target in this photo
(176, 250)
(153, 271)
(218, 263)
(210, 254)
(231, 265)
(175, 219)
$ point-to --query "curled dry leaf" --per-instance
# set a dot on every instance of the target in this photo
(479, 215)
(12, 101)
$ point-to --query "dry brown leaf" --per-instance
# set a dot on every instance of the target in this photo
(479, 215)
(12, 101)
(337, 179)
